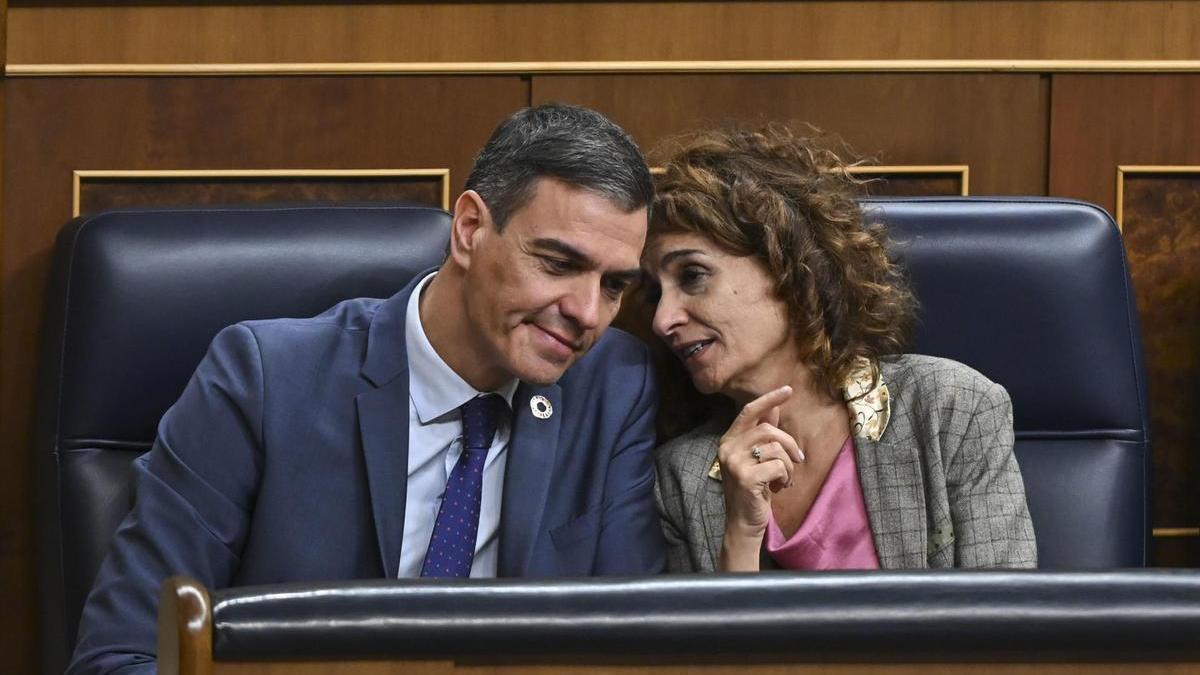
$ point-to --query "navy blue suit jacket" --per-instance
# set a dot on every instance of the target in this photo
(286, 459)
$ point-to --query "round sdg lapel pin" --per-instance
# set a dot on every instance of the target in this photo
(540, 407)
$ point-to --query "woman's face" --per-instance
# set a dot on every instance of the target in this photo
(718, 313)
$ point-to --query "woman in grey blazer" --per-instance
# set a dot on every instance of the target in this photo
(774, 291)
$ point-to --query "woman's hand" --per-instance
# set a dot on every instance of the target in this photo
(757, 458)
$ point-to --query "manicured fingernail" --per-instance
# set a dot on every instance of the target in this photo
(800, 455)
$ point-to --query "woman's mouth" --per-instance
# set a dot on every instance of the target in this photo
(693, 349)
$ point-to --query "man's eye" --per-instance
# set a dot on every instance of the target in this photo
(556, 265)
(616, 287)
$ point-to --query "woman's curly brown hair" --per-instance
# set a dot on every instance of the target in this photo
(790, 202)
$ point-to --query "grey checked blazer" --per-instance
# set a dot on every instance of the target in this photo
(941, 484)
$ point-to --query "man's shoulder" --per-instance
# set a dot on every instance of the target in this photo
(615, 351)
(614, 377)
(348, 316)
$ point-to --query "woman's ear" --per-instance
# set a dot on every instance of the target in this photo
(471, 219)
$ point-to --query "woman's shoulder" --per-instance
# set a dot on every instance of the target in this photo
(933, 378)
(692, 451)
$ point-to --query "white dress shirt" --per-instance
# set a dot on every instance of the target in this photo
(435, 393)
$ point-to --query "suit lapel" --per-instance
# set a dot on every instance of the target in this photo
(532, 449)
(383, 423)
(891, 482)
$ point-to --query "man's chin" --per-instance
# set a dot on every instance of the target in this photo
(541, 377)
(543, 371)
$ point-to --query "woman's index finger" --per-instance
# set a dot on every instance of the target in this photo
(754, 411)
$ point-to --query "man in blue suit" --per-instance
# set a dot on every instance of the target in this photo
(481, 421)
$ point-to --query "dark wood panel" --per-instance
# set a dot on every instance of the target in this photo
(55, 126)
(997, 124)
(16, 579)
(1176, 551)
(1100, 122)
(98, 194)
(1162, 237)
(923, 184)
(271, 32)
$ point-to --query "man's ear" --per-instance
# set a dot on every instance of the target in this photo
(471, 221)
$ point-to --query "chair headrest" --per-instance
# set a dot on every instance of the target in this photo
(1034, 293)
(149, 289)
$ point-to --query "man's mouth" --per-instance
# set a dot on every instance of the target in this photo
(561, 341)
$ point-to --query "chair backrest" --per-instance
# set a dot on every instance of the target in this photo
(135, 298)
(1035, 294)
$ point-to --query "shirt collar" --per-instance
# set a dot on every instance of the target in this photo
(868, 399)
(434, 387)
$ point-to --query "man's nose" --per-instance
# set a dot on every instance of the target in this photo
(582, 304)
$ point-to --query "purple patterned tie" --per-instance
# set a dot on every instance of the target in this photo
(452, 546)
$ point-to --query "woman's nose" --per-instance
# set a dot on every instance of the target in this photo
(668, 315)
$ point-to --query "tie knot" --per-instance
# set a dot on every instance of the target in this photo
(480, 416)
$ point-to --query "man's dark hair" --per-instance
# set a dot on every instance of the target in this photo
(576, 145)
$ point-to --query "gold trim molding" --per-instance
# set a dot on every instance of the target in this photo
(601, 67)
(1144, 169)
(963, 171)
(1176, 532)
(79, 176)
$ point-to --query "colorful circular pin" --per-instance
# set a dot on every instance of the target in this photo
(540, 407)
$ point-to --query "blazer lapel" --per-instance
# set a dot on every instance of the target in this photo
(532, 449)
(712, 515)
(892, 489)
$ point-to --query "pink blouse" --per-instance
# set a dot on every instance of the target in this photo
(836, 533)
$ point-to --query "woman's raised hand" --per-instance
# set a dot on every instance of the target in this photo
(757, 458)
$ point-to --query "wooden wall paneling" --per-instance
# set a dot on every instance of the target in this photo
(272, 32)
(1101, 121)
(914, 181)
(99, 190)
(1098, 124)
(995, 123)
(16, 570)
(55, 126)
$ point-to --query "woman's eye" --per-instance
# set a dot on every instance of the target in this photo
(691, 277)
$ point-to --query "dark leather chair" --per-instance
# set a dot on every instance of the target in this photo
(135, 298)
(1033, 293)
